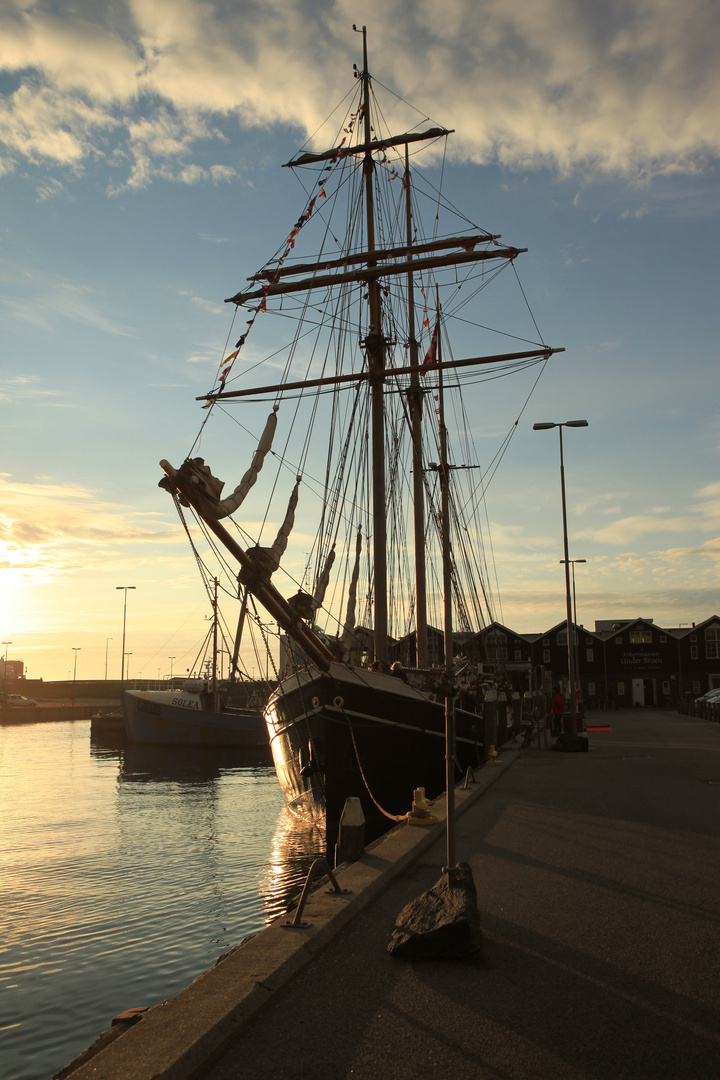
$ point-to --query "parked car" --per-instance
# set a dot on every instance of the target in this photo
(19, 701)
(711, 695)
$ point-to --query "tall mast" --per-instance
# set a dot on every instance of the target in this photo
(447, 606)
(375, 346)
(215, 648)
(415, 401)
(444, 510)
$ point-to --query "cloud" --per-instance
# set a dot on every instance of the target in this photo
(54, 298)
(49, 530)
(561, 84)
(208, 305)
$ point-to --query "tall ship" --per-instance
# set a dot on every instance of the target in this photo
(357, 533)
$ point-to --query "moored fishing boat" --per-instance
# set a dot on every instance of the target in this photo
(360, 393)
(200, 711)
(189, 716)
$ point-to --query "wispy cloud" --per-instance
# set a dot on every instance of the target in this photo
(530, 83)
(48, 298)
(49, 530)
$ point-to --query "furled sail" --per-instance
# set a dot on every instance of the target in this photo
(324, 579)
(265, 560)
(281, 540)
(230, 505)
(352, 592)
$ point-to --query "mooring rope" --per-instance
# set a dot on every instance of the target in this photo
(391, 817)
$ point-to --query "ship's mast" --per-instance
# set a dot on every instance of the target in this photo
(375, 347)
(367, 268)
(415, 401)
(447, 602)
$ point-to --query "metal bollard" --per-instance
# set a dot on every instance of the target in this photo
(351, 832)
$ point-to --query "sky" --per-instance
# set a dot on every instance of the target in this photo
(140, 184)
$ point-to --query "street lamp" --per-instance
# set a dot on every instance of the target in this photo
(568, 602)
(76, 651)
(5, 643)
(171, 658)
(122, 665)
(127, 669)
(577, 651)
(107, 639)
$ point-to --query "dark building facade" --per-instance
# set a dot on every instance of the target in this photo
(632, 662)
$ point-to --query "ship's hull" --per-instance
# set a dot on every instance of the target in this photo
(167, 718)
(359, 733)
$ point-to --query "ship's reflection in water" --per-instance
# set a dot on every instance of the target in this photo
(127, 871)
(214, 777)
(295, 845)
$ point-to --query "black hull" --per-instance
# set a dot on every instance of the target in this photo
(359, 733)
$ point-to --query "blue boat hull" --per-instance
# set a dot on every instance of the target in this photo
(161, 718)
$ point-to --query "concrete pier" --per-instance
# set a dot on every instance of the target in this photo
(598, 880)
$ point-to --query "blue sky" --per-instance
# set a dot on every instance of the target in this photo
(140, 153)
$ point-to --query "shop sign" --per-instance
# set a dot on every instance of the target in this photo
(638, 659)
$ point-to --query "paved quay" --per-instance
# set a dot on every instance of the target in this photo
(598, 880)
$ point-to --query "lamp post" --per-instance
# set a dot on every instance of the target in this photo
(5, 643)
(127, 669)
(577, 651)
(568, 601)
(122, 664)
(107, 639)
(76, 651)
(171, 658)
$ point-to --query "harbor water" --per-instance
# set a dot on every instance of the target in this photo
(124, 873)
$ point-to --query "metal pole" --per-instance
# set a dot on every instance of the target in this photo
(76, 651)
(575, 622)
(447, 614)
(568, 599)
(575, 633)
(106, 654)
(5, 643)
(124, 588)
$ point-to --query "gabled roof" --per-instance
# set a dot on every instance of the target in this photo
(579, 629)
(621, 628)
(683, 631)
(614, 626)
(495, 625)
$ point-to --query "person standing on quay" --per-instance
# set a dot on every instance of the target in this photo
(557, 708)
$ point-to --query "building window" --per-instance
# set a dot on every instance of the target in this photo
(546, 656)
(546, 641)
(696, 686)
(618, 640)
(518, 654)
(666, 687)
(588, 641)
(640, 637)
(589, 656)
(693, 652)
(562, 637)
(591, 689)
(621, 689)
(663, 638)
(693, 637)
(712, 643)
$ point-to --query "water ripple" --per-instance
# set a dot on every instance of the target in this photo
(125, 873)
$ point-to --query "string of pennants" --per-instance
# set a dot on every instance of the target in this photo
(227, 364)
